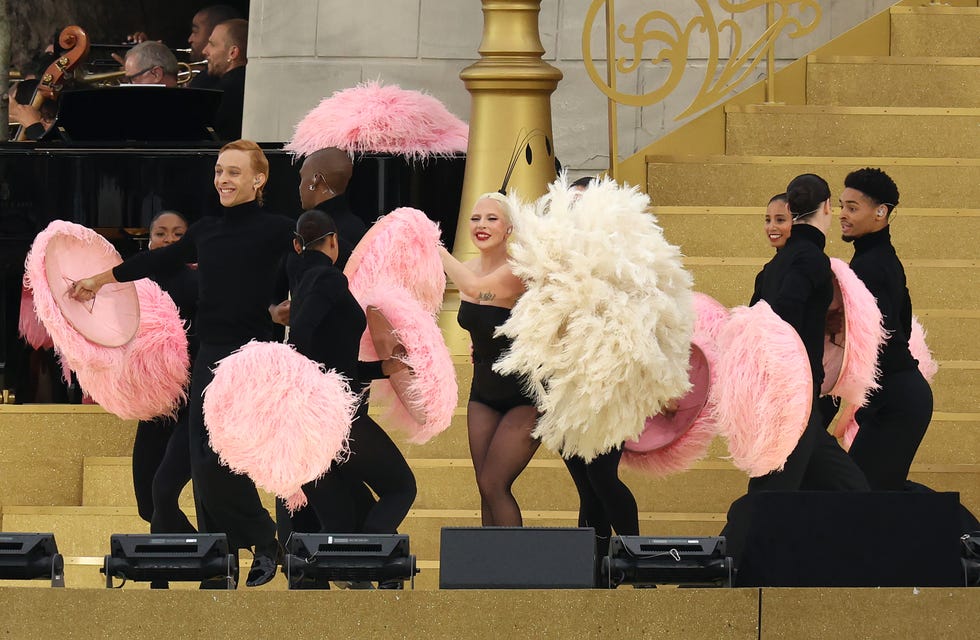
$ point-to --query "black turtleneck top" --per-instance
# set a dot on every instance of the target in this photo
(325, 320)
(237, 255)
(350, 227)
(797, 285)
(877, 265)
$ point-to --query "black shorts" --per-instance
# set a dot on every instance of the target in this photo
(500, 393)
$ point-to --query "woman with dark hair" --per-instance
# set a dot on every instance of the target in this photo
(161, 462)
(797, 284)
(326, 324)
(237, 255)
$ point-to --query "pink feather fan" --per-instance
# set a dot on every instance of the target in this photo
(152, 379)
(401, 249)
(847, 427)
(764, 389)
(29, 325)
(276, 416)
(697, 429)
(376, 118)
(76, 351)
(862, 338)
(432, 389)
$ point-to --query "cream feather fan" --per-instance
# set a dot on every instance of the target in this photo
(603, 332)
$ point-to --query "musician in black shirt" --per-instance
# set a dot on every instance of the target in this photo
(898, 413)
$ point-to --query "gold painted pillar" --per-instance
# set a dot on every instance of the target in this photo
(511, 89)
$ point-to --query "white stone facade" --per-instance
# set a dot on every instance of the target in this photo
(301, 51)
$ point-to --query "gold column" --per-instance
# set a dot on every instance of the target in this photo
(511, 89)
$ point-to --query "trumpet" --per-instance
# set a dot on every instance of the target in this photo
(185, 73)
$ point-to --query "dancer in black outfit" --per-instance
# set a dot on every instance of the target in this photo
(605, 502)
(898, 413)
(499, 416)
(797, 285)
(161, 460)
(237, 255)
(324, 176)
(326, 326)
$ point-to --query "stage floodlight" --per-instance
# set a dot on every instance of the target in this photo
(314, 559)
(646, 562)
(31, 556)
(177, 557)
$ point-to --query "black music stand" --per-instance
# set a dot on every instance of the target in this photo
(137, 113)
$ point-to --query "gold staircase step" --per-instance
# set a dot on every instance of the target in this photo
(911, 81)
(935, 31)
(951, 437)
(720, 180)
(933, 283)
(450, 483)
(917, 233)
(792, 130)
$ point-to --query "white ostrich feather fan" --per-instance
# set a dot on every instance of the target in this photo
(603, 333)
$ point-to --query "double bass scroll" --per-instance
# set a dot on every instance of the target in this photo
(75, 42)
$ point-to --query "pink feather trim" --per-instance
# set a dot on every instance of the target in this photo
(276, 416)
(29, 325)
(847, 427)
(400, 249)
(433, 390)
(693, 444)
(376, 118)
(764, 391)
(864, 336)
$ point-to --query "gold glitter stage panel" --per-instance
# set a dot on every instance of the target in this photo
(43, 449)
(792, 130)
(846, 614)
(952, 438)
(720, 614)
(898, 81)
(935, 31)
(956, 388)
(749, 180)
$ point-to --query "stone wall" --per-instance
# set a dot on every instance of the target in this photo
(303, 50)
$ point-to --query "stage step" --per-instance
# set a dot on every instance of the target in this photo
(935, 31)
(871, 81)
(85, 531)
(749, 181)
(451, 484)
(859, 131)
(951, 437)
(933, 283)
(916, 233)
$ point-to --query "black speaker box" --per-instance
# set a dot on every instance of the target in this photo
(845, 539)
(517, 558)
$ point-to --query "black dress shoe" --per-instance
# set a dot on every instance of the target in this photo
(263, 570)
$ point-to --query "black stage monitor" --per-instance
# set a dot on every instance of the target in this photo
(517, 558)
(138, 113)
(29, 556)
(170, 556)
(643, 561)
(314, 559)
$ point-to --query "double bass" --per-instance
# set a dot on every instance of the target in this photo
(75, 43)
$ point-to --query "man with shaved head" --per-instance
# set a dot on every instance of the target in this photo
(323, 185)
(226, 52)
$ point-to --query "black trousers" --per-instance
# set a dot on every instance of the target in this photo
(374, 461)
(226, 502)
(605, 502)
(817, 462)
(892, 426)
(161, 469)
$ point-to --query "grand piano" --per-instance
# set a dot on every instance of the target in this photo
(117, 186)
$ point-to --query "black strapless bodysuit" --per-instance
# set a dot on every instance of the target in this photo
(501, 393)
